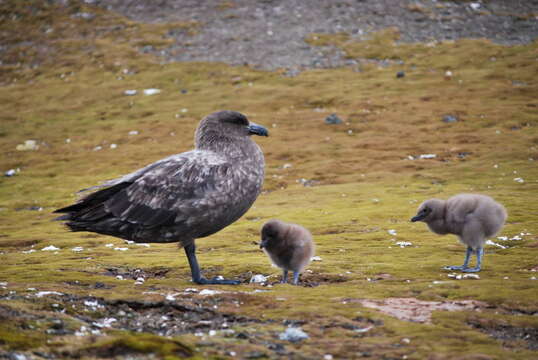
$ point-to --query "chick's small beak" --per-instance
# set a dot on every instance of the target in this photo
(421, 215)
(255, 129)
(263, 243)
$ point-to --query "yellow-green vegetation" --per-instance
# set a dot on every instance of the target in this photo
(367, 178)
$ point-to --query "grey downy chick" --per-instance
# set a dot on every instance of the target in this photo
(473, 218)
(289, 246)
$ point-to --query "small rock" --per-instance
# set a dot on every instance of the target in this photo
(130, 92)
(151, 91)
(333, 119)
(183, 91)
(293, 335)
(448, 75)
(258, 278)
(450, 118)
(400, 74)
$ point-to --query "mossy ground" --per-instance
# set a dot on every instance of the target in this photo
(364, 185)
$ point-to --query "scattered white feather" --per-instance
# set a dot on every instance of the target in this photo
(428, 156)
(489, 242)
(209, 292)
(46, 293)
(151, 91)
(363, 330)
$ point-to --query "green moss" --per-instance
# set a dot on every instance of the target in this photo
(164, 348)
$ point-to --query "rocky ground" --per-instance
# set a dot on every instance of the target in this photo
(271, 34)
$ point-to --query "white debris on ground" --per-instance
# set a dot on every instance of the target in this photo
(151, 91)
(139, 280)
(46, 293)
(113, 146)
(293, 335)
(475, 6)
(428, 156)
(12, 172)
(130, 92)
(464, 276)
(258, 278)
(519, 180)
(209, 292)
(489, 242)
(119, 277)
(28, 146)
(28, 251)
(363, 330)
(83, 331)
(403, 244)
(98, 148)
(109, 245)
(105, 323)
(93, 304)
(3, 284)
(143, 244)
(316, 258)
(133, 132)
(190, 290)
(50, 248)
(392, 232)
(121, 249)
(77, 249)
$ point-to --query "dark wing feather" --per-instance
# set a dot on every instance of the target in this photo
(176, 189)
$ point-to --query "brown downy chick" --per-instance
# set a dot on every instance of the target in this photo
(289, 246)
(473, 218)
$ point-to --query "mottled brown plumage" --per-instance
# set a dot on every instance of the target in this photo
(473, 218)
(289, 246)
(182, 197)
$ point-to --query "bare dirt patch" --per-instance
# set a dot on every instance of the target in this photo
(411, 309)
(271, 34)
